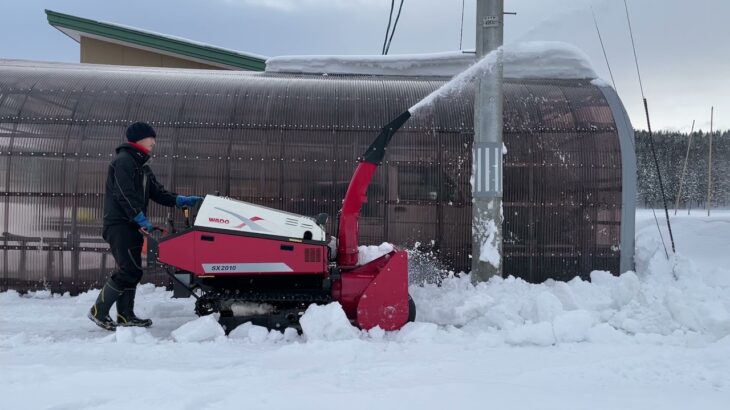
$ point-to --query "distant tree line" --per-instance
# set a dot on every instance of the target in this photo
(671, 149)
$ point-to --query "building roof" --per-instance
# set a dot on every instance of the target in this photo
(77, 27)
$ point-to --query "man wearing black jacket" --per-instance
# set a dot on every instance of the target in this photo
(130, 184)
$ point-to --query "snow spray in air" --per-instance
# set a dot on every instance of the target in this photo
(459, 82)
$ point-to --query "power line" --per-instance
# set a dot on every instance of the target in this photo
(395, 24)
(651, 141)
(387, 30)
(636, 59)
(600, 38)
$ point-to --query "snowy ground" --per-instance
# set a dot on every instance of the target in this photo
(655, 339)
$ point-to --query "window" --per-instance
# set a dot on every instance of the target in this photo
(426, 183)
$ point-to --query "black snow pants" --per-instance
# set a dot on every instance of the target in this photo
(125, 242)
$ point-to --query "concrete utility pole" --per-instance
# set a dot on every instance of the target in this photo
(487, 148)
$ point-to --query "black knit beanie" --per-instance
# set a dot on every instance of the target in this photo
(139, 131)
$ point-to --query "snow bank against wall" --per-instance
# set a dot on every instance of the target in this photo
(541, 59)
(684, 300)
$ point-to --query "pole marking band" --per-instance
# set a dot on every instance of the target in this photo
(487, 157)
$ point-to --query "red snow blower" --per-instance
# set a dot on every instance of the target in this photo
(251, 263)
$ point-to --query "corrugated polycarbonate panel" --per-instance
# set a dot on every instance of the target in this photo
(292, 142)
(590, 109)
(516, 116)
(11, 101)
(256, 165)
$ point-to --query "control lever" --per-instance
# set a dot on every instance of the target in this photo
(171, 222)
(152, 244)
(186, 214)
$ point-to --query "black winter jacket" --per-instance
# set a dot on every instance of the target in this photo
(130, 184)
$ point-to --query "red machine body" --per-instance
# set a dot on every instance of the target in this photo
(376, 294)
(271, 279)
(205, 252)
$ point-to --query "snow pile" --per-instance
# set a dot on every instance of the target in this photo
(249, 332)
(134, 335)
(40, 294)
(9, 296)
(540, 334)
(572, 326)
(680, 299)
(417, 332)
(199, 330)
(327, 322)
(578, 310)
(540, 59)
(370, 253)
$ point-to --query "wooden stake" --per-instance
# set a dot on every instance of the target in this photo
(684, 169)
(709, 165)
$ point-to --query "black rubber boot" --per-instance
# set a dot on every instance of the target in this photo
(99, 313)
(125, 310)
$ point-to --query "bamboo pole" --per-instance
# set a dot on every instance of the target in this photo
(709, 165)
(684, 169)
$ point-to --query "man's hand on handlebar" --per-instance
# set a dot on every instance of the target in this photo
(144, 224)
(146, 232)
(183, 201)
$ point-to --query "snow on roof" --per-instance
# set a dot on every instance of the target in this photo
(436, 64)
(142, 70)
(543, 59)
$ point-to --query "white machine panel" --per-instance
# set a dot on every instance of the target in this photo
(229, 214)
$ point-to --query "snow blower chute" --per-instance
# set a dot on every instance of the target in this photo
(250, 263)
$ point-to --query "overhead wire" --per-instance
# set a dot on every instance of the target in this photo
(651, 142)
(387, 30)
(633, 45)
(603, 47)
(395, 24)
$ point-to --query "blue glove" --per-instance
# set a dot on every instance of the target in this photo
(189, 201)
(143, 222)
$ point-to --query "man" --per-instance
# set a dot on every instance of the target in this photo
(130, 184)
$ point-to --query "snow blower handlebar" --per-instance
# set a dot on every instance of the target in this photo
(356, 195)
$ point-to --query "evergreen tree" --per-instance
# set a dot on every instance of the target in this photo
(671, 149)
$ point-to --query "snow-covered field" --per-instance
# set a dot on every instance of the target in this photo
(657, 338)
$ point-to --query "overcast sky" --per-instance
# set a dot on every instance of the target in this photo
(683, 46)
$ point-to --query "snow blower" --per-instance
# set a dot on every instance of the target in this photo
(251, 263)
